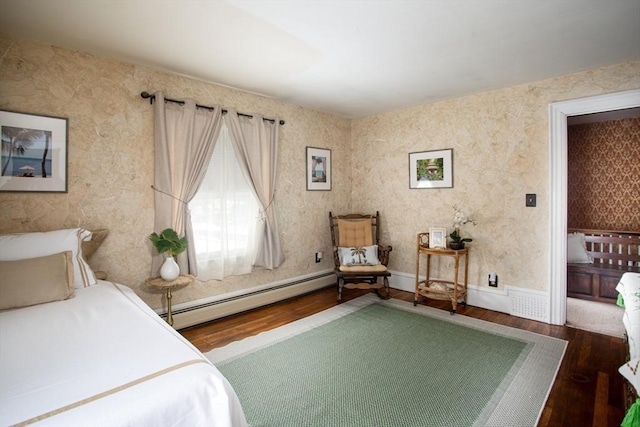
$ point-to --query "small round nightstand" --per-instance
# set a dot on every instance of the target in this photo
(160, 284)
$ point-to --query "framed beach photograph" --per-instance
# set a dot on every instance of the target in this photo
(318, 169)
(34, 153)
(431, 169)
(437, 237)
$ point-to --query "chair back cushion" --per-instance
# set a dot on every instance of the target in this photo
(355, 233)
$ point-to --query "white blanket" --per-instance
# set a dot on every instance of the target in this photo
(105, 358)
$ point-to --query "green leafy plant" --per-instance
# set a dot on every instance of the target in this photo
(457, 238)
(168, 242)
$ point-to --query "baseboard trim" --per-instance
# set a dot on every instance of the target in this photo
(206, 310)
(521, 302)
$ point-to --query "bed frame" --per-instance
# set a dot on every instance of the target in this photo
(614, 253)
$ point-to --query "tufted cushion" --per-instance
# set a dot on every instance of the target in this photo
(363, 268)
(354, 233)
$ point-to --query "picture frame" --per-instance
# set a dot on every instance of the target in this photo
(34, 153)
(437, 238)
(318, 169)
(431, 169)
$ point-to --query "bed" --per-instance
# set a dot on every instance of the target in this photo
(100, 356)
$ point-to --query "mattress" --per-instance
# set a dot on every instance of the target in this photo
(105, 358)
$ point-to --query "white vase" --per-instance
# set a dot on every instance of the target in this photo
(170, 269)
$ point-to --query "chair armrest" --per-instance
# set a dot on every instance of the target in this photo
(383, 254)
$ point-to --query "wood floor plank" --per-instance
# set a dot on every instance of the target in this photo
(580, 395)
(601, 407)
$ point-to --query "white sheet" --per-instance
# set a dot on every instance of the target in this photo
(105, 358)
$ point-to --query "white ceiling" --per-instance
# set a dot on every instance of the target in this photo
(351, 58)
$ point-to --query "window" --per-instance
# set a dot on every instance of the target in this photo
(224, 214)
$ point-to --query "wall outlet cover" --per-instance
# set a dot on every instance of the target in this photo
(530, 200)
(493, 280)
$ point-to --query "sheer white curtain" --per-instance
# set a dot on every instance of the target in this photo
(224, 214)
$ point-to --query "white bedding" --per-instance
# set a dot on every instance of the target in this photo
(105, 358)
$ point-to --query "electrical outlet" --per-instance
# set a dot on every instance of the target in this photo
(493, 280)
(318, 257)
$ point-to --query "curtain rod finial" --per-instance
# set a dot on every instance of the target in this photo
(147, 95)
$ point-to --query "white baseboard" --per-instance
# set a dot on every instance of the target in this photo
(205, 310)
(521, 302)
(516, 301)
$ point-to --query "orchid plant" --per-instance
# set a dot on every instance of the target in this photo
(459, 219)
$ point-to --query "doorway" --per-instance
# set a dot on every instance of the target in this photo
(558, 113)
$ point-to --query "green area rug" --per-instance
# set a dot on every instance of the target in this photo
(369, 362)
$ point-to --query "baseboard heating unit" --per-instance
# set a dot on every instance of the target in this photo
(529, 304)
(201, 311)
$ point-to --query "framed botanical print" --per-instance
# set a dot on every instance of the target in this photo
(431, 169)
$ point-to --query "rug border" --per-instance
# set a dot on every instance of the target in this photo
(544, 349)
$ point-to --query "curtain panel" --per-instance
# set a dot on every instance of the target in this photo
(256, 143)
(185, 137)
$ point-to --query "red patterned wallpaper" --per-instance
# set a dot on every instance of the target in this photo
(604, 175)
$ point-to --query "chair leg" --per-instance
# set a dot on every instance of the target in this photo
(386, 287)
(387, 293)
(340, 285)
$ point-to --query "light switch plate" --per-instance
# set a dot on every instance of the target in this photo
(530, 200)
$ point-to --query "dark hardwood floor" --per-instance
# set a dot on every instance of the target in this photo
(588, 390)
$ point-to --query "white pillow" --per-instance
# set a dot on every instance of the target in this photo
(577, 249)
(15, 247)
(364, 255)
(630, 371)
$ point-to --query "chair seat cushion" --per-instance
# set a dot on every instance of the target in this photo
(363, 268)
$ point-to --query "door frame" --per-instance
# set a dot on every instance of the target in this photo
(558, 157)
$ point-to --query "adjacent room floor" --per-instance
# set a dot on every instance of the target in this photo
(593, 316)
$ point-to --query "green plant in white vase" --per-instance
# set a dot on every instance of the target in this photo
(169, 244)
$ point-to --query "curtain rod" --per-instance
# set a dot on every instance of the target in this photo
(147, 95)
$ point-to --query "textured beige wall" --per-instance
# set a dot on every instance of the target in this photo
(111, 160)
(500, 153)
(500, 142)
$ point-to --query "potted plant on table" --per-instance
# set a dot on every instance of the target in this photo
(169, 244)
(457, 241)
(459, 219)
